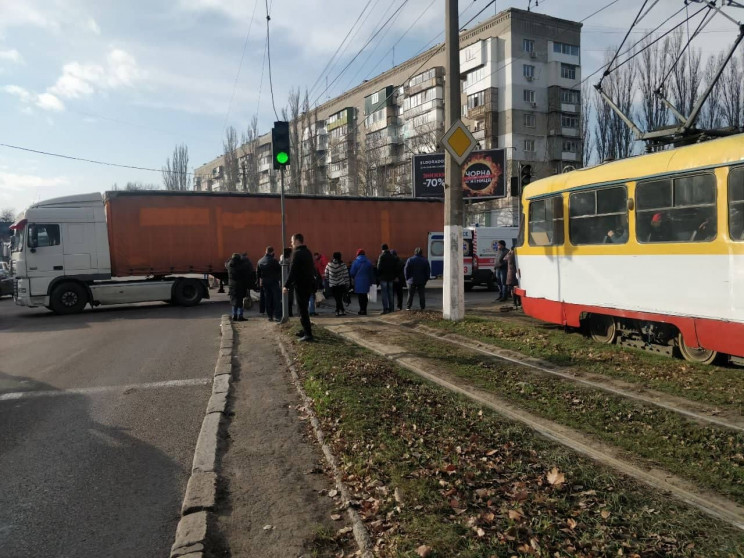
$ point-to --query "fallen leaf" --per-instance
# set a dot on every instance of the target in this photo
(423, 551)
(489, 453)
(605, 514)
(516, 515)
(268, 527)
(555, 477)
(480, 532)
(335, 517)
(332, 493)
(571, 523)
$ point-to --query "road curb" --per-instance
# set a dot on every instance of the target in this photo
(361, 535)
(192, 533)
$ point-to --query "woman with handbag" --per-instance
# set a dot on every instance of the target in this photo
(337, 278)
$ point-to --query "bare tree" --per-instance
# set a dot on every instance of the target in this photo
(249, 159)
(614, 137)
(652, 69)
(686, 73)
(292, 115)
(312, 179)
(710, 115)
(732, 100)
(231, 172)
(585, 123)
(424, 138)
(7, 215)
(176, 171)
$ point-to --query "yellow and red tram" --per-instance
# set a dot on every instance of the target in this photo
(653, 244)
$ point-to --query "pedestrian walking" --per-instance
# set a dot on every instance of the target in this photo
(386, 272)
(400, 279)
(239, 273)
(511, 275)
(501, 268)
(338, 280)
(417, 272)
(302, 279)
(269, 275)
(363, 273)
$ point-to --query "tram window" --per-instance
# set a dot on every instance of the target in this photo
(680, 209)
(736, 203)
(546, 222)
(599, 216)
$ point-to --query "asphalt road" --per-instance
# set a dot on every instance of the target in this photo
(99, 416)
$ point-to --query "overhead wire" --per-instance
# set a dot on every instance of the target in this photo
(240, 65)
(268, 52)
(105, 163)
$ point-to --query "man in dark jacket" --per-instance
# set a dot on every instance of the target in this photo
(386, 272)
(239, 273)
(501, 268)
(417, 272)
(302, 279)
(270, 279)
(400, 279)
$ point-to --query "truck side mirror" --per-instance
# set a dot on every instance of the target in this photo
(33, 237)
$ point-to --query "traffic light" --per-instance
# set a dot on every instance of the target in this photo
(280, 144)
(525, 174)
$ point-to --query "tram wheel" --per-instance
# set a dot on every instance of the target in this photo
(602, 328)
(701, 356)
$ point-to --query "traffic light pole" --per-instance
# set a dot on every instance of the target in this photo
(453, 302)
(284, 260)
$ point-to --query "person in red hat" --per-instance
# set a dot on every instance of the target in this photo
(658, 228)
(363, 273)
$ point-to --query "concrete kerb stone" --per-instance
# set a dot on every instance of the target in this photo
(191, 531)
(201, 491)
(361, 535)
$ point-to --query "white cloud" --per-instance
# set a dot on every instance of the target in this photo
(93, 26)
(20, 182)
(24, 95)
(47, 101)
(82, 80)
(11, 55)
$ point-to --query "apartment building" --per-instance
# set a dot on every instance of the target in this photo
(520, 74)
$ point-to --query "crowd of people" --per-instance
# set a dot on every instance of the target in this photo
(312, 273)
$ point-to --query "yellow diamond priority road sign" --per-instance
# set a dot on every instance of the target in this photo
(458, 141)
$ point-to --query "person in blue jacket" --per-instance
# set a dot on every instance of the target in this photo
(363, 273)
(417, 272)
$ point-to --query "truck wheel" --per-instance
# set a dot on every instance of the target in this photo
(491, 283)
(468, 286)
(187, 292)
(68, 298)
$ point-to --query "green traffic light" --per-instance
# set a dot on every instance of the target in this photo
(282, 158)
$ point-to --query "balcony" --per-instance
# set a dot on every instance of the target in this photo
(423, 108)
(424, 85)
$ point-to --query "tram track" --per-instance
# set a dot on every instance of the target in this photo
(368, 333)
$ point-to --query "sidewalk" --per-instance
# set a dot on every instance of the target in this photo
(276, 497)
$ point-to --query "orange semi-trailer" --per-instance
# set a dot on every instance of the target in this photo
(159, 233)
(141, 246)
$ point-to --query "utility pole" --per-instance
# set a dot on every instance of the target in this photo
(453, 302)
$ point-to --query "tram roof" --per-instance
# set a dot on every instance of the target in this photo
(710, 154)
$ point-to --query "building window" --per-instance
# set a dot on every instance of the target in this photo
(569, 121)
(375, 117)
(568, 71)
(529, 120)
(476, 99)
(474, 77)
(421, 98)
(376, 97)
(546, 222)
(529, 96)
(528, 45)
(736, 203)
(599, 216)
(529, 145)
(426, 76)
(681, 209)
(563, 48)
(570, 96)
(570, 147)
(528, 71)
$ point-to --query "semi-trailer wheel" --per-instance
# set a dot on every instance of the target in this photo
(699, 355)
(602, 328)
(68, 298)
(187, 292)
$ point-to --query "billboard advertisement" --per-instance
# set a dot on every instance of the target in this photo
(482, 175)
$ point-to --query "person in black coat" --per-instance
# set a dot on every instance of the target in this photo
(302, 279)
(269, 275)
(400, 279)
(417, 272)
(239, 273)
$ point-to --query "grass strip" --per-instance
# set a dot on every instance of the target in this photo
(707, 455)
(434, 472)
(714, 385)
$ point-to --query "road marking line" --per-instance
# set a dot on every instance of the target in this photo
(103, 389)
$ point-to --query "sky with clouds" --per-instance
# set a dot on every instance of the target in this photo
(124, 82)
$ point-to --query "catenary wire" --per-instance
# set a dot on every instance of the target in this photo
(105, 163)
(268, 52)
(240, 66)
